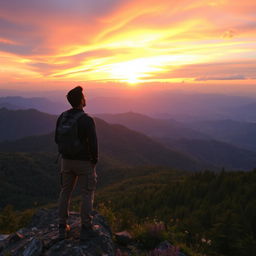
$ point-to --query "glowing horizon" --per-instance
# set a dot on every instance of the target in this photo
(128, 41)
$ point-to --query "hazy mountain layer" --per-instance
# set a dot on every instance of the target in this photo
(176, 104)
(191, 139)
(15, 124)
(39, 103)
(153, 126)
(215, 152)
(242, 134)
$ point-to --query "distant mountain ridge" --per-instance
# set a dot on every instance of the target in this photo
(29, 161)
(215, 152)
(172, 103)
(166, 143)
(246, 112)
(117, 143)
(39, 103)
(202, 140)
(241, 134)
(15, 124)
(154, 127)
(169, 104)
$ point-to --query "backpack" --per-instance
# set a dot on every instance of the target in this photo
(67, 134)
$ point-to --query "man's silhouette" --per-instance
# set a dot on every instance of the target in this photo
(76, 137)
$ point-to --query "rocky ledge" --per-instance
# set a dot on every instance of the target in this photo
(40, 238)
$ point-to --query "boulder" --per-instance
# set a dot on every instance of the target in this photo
(40, 237)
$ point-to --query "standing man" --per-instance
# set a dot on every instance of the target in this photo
(76, 137)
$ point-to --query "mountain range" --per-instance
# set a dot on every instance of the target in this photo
(25, 160)
(225, 143)
(153, 127)
(214, 152)
(178, 105)
(139, 174)
(134, 139)
(39, 103)
(241, 134)
(29, 174)
(15, 124)
(116, 142)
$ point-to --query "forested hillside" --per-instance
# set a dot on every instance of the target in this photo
(204, 213)
(142, 182)
(216, 207)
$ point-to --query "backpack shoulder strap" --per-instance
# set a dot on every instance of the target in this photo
(78, 115)
(69, 120)
(73, 117)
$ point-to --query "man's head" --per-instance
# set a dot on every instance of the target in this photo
(76, 98)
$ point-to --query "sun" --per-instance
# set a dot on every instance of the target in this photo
(132, 71)
(133, 80)
(145, 69)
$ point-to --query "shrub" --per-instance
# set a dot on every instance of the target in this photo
(150, 234)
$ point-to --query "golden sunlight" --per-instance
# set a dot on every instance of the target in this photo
(135, 71)
(130, 71)
(155, 42)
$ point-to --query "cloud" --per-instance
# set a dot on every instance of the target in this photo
(175, 38)
(219, 70)
(234, 77)
(60, 8)
(17, 49)
(21, 39)
(208, 71)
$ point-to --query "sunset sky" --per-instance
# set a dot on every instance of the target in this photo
(54, 42)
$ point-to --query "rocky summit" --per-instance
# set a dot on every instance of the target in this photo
(40, 238)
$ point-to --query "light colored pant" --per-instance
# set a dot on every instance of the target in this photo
(72, 171)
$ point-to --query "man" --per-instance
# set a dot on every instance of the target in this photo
(79, 156)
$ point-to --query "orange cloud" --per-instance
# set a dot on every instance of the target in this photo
(126, 41)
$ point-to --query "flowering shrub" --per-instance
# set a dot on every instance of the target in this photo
(150, 234)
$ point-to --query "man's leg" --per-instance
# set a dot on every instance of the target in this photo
(88, 185)
(68, 183)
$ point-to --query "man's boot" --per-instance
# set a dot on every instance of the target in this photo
(63, 231)
(87, 232)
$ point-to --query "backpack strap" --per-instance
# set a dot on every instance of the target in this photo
(68, 120)
(78, 115)
(72, 117)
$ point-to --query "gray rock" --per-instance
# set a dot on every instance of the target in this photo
(40, 238)
(34, 248)
(3, 237)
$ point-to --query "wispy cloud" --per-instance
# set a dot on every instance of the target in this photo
(234, 77)
(105, 39)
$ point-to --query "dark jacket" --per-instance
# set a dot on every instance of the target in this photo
(86, 134)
